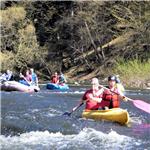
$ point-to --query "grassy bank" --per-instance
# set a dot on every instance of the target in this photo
(134, 73)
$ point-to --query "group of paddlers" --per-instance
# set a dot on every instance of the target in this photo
(58, 78)
(25, 81)
(27, 77)
(100, 97)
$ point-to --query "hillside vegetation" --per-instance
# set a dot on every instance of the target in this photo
(80, 38)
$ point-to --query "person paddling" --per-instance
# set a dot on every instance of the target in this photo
(62, 79)
(112, 95)
(93, 96)
(119, 85)
(55, 78)
(25, 78)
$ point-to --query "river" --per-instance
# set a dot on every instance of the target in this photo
(34, 121)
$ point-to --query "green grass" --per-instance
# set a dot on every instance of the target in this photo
(133, 73)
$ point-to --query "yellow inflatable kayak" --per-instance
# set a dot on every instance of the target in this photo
(116, 114)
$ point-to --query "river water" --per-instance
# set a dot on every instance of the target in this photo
(34, 121)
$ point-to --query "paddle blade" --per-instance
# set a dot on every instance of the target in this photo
(67, 113)
(142, 105)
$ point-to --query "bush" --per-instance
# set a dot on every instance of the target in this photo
(133, 73)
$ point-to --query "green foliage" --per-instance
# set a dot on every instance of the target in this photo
(19, 41)
(27, 47)
(7, 61)
(133, 71)
(10, 21)
(62, 35)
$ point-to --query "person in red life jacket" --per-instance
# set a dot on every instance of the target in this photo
(55, 78)
(93, 96)
(112, 95)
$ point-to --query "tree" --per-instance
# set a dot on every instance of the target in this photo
(18, 39)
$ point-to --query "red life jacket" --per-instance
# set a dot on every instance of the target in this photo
(90, 104)
(110, 99)
(55, 79)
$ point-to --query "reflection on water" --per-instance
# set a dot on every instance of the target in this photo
(35, 121)
(141, 130)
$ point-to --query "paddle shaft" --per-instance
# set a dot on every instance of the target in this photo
(75, 108)
(116, 93)
(137, 103)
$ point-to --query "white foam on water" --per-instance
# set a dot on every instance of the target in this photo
(34, 110)
(9, 117)
(71, 92)
(64, 92)
(52, 112)
(88, 138)
(79, 92)
(136, 119)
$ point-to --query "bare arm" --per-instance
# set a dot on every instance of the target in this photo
(97, 99)
(22, 76)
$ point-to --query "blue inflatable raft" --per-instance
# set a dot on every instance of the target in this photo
(53, 86)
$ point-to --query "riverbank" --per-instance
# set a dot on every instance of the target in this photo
(141, 85)
(133, 74)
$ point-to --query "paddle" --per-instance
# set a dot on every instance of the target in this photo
(74, 109)
(141, 105)
(137, 103)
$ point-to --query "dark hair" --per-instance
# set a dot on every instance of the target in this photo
(112, 78)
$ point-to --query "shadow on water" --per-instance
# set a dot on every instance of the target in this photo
(31, 116)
